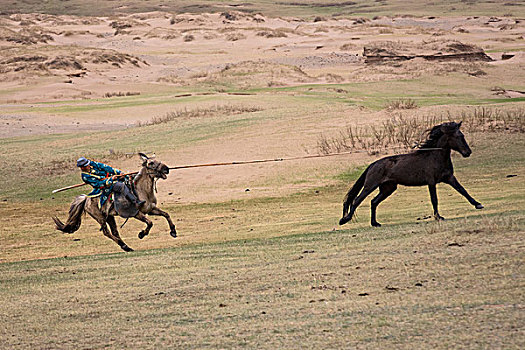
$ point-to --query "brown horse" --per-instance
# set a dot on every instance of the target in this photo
(429, 165)
(144, 182)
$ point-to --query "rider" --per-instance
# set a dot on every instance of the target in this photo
(104, 180)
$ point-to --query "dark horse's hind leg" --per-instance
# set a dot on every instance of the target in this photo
(157, 211)
(434, 200)
(385, 190)
(364, 193)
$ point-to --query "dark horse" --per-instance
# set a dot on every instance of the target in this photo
(145, 182)
(429, 165)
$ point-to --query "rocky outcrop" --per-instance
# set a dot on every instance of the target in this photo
(384, 52)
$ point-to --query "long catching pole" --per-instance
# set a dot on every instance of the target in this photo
(259, 161)
(221, 164)
(83, 184)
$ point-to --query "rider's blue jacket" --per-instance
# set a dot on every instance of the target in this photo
(98, 178)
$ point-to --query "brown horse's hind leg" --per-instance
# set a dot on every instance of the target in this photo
(385, 190)
(101, 219)
(141, 217)
(157, 211)
(114, 231)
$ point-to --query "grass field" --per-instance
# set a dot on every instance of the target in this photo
(262, 273)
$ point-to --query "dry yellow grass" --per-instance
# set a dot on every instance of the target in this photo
(268, 267)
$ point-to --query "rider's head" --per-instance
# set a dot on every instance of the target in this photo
(83, 163)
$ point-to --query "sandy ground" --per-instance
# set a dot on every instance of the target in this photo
(47, 60)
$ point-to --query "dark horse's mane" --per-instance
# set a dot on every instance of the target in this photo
(435, 134)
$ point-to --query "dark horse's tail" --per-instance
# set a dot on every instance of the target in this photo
(75, 216)
(350, 196)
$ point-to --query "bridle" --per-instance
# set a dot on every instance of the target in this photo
(154, 173)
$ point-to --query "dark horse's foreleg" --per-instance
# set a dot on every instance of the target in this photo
(141, 217)
(457, 186)
(364, 193)
(101, 219)
(434, 200)
(385, 190)
(157, 211)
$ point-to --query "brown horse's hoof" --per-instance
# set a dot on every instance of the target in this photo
(142, 234)
(126, 248)
(173, 233)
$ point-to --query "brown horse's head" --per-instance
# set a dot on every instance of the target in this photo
(454, 139)
(154, 167)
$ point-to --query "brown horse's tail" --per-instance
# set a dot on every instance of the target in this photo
(75, 216)
(353, 192)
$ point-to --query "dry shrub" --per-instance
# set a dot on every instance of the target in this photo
(348, 46)
(490, 119)
(235, 36)
(120, 94)
(113, 57)
(163, 33)
(26, 36)
(333, 78)
(126, 23)
(397, 133)
(386, 31)
(270, 33)
(400, 133)
(402, 103)
(199, 112)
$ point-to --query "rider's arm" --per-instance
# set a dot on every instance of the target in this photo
(96, 181)
(105, 168)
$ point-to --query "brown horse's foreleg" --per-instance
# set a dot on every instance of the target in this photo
(157, 211)
(457, 186)
(364, 193)
(101, 219)
(385, 190)
(434, 200)
(141, 217)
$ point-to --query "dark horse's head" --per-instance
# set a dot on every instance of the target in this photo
(154, 167)
(448, 136)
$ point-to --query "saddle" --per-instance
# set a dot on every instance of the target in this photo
(123, 206)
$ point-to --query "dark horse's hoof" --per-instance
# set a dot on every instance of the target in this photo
(142, 234)
(479, 206)
(126, 248)
(173, 233)
(376, 224)
(344, 220)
